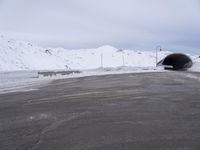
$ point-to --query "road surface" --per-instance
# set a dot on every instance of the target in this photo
(145, 111)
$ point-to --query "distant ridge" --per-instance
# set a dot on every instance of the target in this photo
(19, 55)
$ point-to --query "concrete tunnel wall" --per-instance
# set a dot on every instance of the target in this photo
(177, 61)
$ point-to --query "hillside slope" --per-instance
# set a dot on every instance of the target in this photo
(18, 55)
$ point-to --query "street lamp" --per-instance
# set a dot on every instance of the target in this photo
(123, 61)
(101, 60)
(160, 49)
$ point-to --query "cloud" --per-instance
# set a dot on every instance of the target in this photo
(88, 23)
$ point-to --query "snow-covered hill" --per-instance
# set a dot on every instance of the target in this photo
(18, 55)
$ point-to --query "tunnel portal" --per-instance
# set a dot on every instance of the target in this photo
(177, 61)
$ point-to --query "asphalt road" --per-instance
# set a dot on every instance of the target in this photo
(146, 111)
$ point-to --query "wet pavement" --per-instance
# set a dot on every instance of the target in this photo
(145, 111)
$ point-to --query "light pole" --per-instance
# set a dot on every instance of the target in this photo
(123, 61)
(101, 60)
(160, 49)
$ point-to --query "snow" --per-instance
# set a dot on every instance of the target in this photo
(18, 55)
(20, 62)
(196, 63)
(16, 81)
(20, 81)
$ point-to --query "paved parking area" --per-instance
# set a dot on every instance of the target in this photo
(145, 111)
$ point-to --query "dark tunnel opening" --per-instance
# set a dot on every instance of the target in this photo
(176, 61)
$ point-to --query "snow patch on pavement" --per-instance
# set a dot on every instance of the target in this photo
(28, 81)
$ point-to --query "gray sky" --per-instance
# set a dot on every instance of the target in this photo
(135, 24)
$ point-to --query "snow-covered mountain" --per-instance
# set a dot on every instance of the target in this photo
(18, 55)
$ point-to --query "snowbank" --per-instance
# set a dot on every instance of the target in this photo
(30, 80)
(18, 55)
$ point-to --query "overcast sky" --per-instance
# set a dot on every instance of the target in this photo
(135, 24)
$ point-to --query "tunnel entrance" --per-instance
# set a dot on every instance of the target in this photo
(176, 61)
